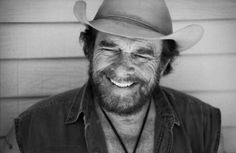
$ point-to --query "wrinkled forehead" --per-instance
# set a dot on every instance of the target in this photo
(113, 41)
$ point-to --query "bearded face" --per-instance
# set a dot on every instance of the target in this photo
(124, 72)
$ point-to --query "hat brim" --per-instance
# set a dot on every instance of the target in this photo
(185, 37)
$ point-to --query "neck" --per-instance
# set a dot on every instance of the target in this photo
(126, 124)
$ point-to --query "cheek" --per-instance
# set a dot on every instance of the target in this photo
(100, 62)
(148, 71)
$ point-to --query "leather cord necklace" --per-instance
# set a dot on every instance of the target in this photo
(140, 132)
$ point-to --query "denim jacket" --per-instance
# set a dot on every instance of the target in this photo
(68, 123)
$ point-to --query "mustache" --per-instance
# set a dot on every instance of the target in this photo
(110, 74)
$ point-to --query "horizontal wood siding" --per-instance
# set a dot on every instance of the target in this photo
(45, 77)
(229, 137)
(23, 41)
(61, 10)
(40, 55)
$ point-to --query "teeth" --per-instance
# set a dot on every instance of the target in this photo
(123, 84)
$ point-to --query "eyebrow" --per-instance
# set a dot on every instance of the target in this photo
(106, 43)
(143, 50)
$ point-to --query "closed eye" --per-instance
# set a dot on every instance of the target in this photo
(111, 50)
(143, 56)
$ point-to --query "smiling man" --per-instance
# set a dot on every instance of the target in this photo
(122, 108)
(124, 72)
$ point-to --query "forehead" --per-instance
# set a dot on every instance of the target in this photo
(109, 40)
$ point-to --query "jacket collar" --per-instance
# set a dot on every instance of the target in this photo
(80, 104)
(163, 104)
(83, 101)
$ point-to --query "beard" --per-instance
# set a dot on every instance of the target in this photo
(127, 103)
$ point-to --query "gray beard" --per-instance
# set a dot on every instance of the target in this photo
(121, 105)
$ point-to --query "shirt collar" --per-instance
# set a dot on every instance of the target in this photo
(82, 103)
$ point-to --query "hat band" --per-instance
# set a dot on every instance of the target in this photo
(132, 21)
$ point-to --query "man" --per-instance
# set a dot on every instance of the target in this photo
(122, 108)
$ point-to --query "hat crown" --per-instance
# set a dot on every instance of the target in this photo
(152, 14)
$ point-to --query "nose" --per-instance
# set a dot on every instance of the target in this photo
(124, 67)
(124, 71)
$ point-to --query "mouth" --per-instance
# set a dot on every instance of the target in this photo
(121, 84)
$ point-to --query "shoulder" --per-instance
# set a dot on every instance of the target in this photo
(192, 111)
(200, 120)
(53, 103)
(51, 110)
(43, 123)
(183, 102)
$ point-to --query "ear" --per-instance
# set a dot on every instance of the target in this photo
(81, 42)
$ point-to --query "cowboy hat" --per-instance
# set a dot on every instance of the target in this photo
(144, 19)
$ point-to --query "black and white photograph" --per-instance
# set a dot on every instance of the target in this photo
(117, 76)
